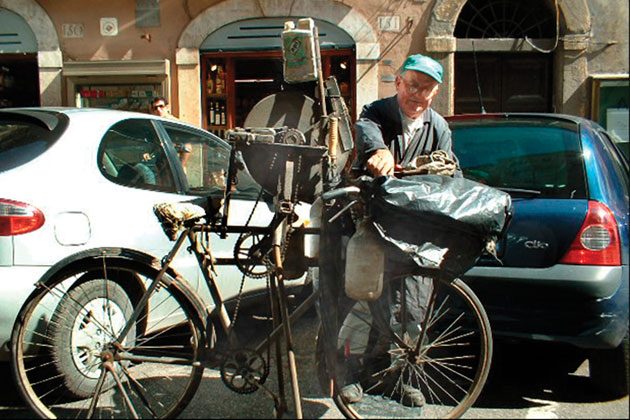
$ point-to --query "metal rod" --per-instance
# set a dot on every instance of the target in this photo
(295, 315)
(275, 316)
(286, 320)
(320, 75)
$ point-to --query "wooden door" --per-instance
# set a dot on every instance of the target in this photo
(508, 82)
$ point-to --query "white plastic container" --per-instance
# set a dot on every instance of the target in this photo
(311, 241)
(365, 262)
(298, 51)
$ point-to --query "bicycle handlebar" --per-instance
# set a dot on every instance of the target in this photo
(340, 192)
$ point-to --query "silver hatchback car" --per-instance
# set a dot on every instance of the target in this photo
(75, 179)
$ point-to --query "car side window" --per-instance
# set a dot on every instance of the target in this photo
(131, 154)
(620, 165)
(205, 159)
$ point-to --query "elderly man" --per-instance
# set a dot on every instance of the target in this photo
(392, 132)
(397, 129)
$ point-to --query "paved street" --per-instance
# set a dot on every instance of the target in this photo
(523, 385)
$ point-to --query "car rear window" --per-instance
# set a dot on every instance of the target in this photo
(542, 156)
(22, 140)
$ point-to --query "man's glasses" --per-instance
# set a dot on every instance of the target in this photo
(158, 106)
(415, 89)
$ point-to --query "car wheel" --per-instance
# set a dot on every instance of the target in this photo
(609, 369)
(87, 318)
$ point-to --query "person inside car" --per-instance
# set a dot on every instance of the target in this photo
(159, 107)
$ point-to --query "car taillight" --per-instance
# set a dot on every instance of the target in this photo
(17, 218)
(597, 242)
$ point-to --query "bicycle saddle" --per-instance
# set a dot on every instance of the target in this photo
(172, 216)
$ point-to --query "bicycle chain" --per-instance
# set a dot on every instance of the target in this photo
(239, 296)
(294, 199)
(240, 239)
(246, 378)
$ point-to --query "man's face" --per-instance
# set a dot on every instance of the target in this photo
(415, 91)
(159, 108)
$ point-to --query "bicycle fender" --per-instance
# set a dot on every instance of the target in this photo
(95, 254)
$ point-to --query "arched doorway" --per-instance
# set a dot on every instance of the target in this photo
(570, 66)
(43, 56)
(242, 64)
(188, 58)
(501, 81)
(19, 78)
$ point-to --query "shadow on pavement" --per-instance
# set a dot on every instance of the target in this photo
(9, 397)
(523, 373)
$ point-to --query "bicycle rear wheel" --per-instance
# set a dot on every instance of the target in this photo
(70, 362)
(446, 358)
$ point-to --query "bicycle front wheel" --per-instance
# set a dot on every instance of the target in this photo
(71, 360)
(394, 365)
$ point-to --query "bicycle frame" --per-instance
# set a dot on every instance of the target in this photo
(282, 318)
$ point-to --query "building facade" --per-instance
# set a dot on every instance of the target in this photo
(215, 58)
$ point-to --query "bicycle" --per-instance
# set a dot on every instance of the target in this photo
(446, 353)
(139, 334)
(141, 337)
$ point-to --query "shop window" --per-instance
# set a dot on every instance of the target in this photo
(125, 97)
(610, 99)
(128, 85)
(234, 82)
(340, 66)
(255, 79)
(215, 93)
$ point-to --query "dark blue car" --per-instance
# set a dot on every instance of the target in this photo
(562, 269)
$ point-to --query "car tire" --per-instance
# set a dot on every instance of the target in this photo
(609, 369)
(75, 358)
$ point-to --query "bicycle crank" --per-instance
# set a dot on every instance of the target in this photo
(250, 254)
(243, 371)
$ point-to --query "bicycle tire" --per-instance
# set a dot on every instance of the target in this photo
(66, 356)
(453, 367)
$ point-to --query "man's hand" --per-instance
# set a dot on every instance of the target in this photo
(381, 163)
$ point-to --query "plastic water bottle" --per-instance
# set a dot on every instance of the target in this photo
(365, 263)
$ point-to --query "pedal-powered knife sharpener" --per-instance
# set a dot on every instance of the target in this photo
(294, 149)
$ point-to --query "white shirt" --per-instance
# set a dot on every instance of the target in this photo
(410, 126)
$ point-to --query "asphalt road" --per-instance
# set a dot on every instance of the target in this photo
(525, 383)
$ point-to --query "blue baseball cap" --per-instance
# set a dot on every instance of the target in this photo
(424, 64)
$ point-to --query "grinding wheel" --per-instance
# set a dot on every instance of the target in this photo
(287, 109)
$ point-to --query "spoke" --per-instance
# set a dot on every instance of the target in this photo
(140, 391)
(163, 389)
(439, 385)
(120, 386)
(141, 342)
(73, 301)
(97, 393)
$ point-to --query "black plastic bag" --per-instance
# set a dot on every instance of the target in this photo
(440, 223)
